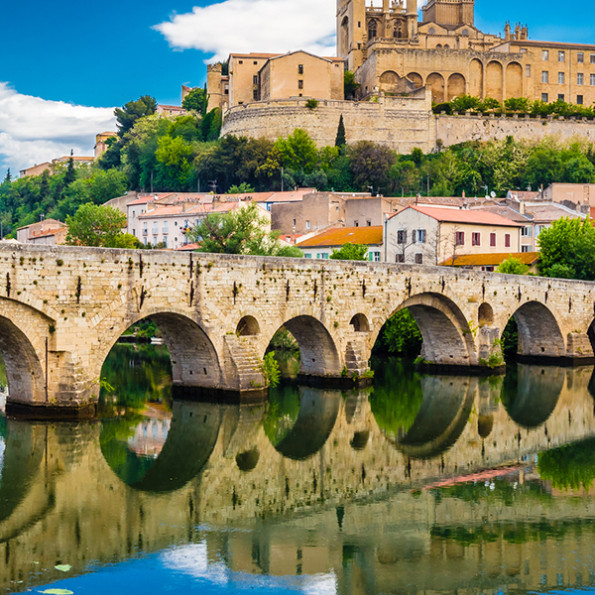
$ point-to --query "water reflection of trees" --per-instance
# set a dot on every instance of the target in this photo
(134, 375)
(570, 467)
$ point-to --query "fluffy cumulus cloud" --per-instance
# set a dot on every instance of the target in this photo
(256, 25)
(34, 130)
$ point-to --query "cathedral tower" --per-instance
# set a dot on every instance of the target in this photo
(351, 32)
(450, 12)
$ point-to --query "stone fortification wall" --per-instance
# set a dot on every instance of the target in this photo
(402, 123)
(452, 130)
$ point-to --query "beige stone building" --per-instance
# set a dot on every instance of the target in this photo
(49, 232)
(389, 49)
(431, 235)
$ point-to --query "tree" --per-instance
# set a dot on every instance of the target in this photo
(370, 164)
(340, 140)
(298, 151)
(350, 252)
(513, 266)
(567, 249)
(98, 226)
(129, 113)
(242, 188)
(196, 100)
(8, 177)
(242, 231)
(350, 85)
(70, 175)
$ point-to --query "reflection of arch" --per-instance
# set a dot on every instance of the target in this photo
(476, 78)
(189, 444)
(416, 79)
(24, 371)
(494, 80)
(247, 460)
(514, 80)
(360, 323)
(436, 82)
(315, 422)
(360, 440)
(530, 393)
(389, 77)
(539, 333)
(194, 361)
(485, 315)
(442, 417)
(456, 86)
(440, 322)
(318, 353)
(248, 325)
(485, 424)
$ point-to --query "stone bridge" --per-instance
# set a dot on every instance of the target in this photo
(63, 308)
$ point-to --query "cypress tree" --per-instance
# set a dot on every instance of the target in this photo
(340, 141)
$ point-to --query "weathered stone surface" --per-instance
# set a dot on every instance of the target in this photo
(63, 308)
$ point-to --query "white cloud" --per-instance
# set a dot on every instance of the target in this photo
(256, 25)
(34, 130)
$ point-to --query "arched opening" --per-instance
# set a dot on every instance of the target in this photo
(318, 354)
(360, 323)
(300, 420)
(161, 452)
(247, 327)
(372, 29)
(166, 350)
(360, 440)
(485, 424)
(485, 315)
(530, 393)
(494, 80)
(533, 333)
(514, 80)
(436, 82)
(457, 86)
(247, 460)
(389, 77)
(476, 78)
(416, 79)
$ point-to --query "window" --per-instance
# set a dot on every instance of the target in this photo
(300, 69)
(255, 94)
(507, 240)
(561, 78)
(401, 236)
(145, 230)
(420, 236)
(476, 239)
(525, 248)
(545, 77)
(308, 255)
(294, 222)
(492, 240)
(579, 100)
(255, 79)
(527, 232)
(545, 97)
(368, 223)
(528, 70)
(165, 242)
(255, 63)
(241, 61)
(356, 223)
(400, 258)
(300, 84)
(155, 227)
(165, 227)
(592, 80)
(374, 256)
(545, 55)
(560, 96)
(580, 58)
(580, 78)
(419, 258)
(561, 56)
(460, 238)
(322, 255)
(133, 213)
(592, 58)
(307, 224)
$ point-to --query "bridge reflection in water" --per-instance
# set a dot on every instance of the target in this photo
(371, 488)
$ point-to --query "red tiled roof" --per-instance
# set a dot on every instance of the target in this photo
(472, 217)
(339, 236)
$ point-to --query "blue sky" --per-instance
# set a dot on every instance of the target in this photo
(58, 57)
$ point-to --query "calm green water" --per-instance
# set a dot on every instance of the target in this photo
(424, 484)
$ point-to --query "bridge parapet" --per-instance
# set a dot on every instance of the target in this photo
(63, 308)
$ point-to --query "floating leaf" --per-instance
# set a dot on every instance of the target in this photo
(63, 567)
(58, 592)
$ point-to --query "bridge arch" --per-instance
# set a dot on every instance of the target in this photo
(445, 331)
(318, 353)
(194, 359)
(539, 334)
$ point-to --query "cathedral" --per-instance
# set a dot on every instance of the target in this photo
(391, 51)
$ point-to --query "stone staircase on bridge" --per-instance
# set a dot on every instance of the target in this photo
(247, 366)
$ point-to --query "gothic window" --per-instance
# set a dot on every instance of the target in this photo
(372, 29)
(432, 31)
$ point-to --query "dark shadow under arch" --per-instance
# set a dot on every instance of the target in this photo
(24, 370)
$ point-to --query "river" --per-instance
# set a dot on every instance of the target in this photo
(420, 484)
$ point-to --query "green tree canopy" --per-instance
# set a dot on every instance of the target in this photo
(196, 101)
(567, 249)
(350, 252)
(129, 113)
(242, 231)
(298, 151)
(94, 225)
(513, 266)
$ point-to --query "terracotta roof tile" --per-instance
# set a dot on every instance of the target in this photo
(340, 236)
